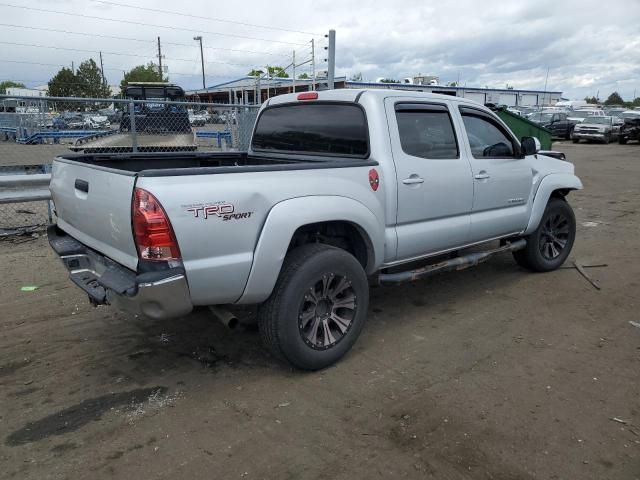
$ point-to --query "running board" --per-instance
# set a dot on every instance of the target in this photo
(458, 263)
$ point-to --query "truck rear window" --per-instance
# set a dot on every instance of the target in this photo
(313, 128)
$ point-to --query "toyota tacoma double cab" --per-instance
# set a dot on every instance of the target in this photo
(338, 189)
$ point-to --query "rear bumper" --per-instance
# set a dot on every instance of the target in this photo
(158, 295)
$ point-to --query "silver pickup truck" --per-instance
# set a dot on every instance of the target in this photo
(338, 188)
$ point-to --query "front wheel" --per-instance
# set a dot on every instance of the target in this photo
(550, 244)
(569, 134)
(317, 308)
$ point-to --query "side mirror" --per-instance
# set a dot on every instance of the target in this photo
(530, 145)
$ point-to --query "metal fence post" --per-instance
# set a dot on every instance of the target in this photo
(134, 132)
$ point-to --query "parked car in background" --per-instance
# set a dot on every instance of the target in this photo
(198, 119)
(96, 121)
(572, 104)
(615, 111)
(68, 121)
(526, 111)
(578, 116)
(114, 116)
(596, 128)
(556, 122)
(630, 130)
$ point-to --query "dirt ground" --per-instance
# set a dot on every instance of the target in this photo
(489, 373)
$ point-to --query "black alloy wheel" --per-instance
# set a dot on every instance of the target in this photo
(327, 311)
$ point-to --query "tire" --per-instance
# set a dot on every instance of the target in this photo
(569, 134)
(550, 244)
(294, 320)
(606, 139)
(622, 140)
(575, 140)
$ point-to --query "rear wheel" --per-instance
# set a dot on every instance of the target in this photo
(550, 244)
(317, 308)
(622, 140)
(575, 139)
(606, 139)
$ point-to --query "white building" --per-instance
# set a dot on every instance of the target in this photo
(25, 92)
(245, 90)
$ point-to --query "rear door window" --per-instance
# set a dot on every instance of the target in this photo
(318, 128)
(426, 131)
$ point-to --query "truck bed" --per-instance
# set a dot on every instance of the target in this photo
(199, 163)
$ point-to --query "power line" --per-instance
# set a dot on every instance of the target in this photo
(120, 53)
(130, 22)
(181, 14)
(113, 37)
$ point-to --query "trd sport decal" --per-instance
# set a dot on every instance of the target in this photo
(223, 210)
(374, 179)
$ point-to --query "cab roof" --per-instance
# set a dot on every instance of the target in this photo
(352, 95)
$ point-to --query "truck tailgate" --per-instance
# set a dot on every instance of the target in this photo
(93, 205)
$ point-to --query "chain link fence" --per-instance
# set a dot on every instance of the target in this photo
(33, 131)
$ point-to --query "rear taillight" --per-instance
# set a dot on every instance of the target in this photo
(152, 230)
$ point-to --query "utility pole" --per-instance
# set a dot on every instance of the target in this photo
(199, 39)
(268, 93)
(104, 82)
(331, 60)
(160, 60)
(258, 98)
(313, 64)
(544, 95)
(73, 68)
(294, 71)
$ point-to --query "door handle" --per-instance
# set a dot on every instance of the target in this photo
(412, 180)
(482, 175)
(82, 185)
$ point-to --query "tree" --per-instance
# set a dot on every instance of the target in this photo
(356, 78)
(277, 72)
(64, 84)
(452, 84)
(303, 76)
(90, 80)
(389, 80)
(636, 102)
(142, 73)
(592, 100)
(9, 84)
(614, 99)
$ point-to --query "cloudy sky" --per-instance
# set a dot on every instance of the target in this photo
(588, 46)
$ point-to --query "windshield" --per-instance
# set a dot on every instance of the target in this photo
(582, 114)
(599, 120)
(541, 117)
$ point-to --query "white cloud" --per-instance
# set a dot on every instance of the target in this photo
(587, 46)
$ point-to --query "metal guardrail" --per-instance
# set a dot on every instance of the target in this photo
(24, 188)
(24, 198)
